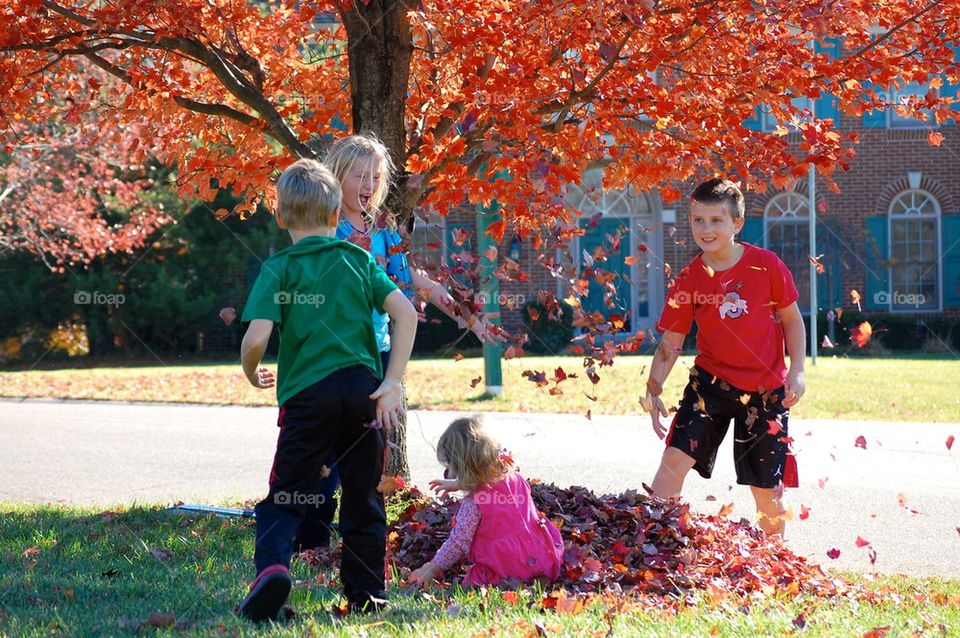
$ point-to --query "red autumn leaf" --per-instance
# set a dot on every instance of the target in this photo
(460, 235)
(228, 314)
(861, 442)
(773, 427)
(861, 334)
(804, 512)
(511, 597)
(833, 553)
(458, 357)
(817, 264)
(935, 138)
(950, 440)
(861, 542)
(496, 230)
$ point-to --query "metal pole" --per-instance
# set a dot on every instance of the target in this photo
(812, 218)
(490, 289)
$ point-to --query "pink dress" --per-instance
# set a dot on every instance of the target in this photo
(509, 538)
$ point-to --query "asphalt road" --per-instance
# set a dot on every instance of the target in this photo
(104, 453)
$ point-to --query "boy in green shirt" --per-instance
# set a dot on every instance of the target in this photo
(322, 293)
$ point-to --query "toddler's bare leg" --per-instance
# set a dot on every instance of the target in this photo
(770, 505)
(673, 469)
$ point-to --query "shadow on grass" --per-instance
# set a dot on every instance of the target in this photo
(89, 573)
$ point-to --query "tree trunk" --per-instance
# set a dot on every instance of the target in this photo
(380, 46)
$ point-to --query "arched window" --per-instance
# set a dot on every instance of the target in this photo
(914, 218)
(786, 228)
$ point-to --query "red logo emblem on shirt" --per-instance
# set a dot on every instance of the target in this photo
(733, 306)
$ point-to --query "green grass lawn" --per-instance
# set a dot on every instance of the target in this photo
(83, 572)
(886, 389)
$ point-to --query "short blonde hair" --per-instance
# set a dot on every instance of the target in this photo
(470, 453)
(308, 195)
(342, 155)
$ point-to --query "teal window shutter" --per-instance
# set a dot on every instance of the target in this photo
(875, 258)
(755, 123)
(752, 232)
(948, 89)
(826, 106)
(950, 238)
(877, 118)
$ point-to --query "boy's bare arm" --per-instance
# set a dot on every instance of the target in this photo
(389, 395)
(668, 351)
(254, 344)
(795, 337)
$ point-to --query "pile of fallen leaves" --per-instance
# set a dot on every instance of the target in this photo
(628, 543)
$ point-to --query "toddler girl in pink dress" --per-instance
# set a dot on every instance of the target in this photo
(497, 528)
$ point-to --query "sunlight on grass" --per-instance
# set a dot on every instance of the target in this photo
(888, 389)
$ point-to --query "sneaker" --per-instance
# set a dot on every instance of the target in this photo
(267, 594)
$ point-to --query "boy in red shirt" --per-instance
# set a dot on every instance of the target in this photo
(745, 304)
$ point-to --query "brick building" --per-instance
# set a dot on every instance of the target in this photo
(892, 232)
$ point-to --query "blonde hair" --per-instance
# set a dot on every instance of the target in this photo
(470, 453)
(342, 155)
(308, 195)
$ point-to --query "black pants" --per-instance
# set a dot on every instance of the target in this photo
(315, 528)
(328, 420)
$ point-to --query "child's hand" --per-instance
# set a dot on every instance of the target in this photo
(656, 408)
(445, 486)
(262, 379)
(793, 389)
(485, 333)
(422, 577)
(389, 398)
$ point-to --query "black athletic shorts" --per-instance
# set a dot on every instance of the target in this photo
(761, 443)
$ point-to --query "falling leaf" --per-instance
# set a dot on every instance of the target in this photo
(823, 482)
(815, 261)
(726, 510)
(572, 301)
(710, 271)
(460, 235)
(589, 415)
(324, 471)
(935, 138)
(855, 298)
(228, 315)
(861, 334)
(833, 554)
(804, 512)
(901, 500)
(861, 542)
(773, 427)
(390, 484)
(458, 357)
(745, 399)
(950, 440)
(475, 382)
(861, 442)
(826, 343)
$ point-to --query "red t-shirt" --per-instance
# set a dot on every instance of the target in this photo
(739, 334)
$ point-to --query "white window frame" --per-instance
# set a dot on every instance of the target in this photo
(938, 242)
(792, 218)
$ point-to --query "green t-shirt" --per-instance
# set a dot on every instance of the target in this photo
(321, 292)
